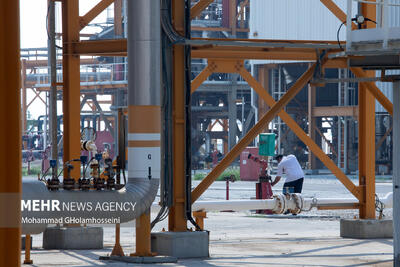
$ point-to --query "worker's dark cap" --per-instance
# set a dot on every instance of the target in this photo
(277, 157)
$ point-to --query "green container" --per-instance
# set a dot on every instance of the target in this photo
(267, 144)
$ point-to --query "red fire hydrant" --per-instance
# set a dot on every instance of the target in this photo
(263, 187)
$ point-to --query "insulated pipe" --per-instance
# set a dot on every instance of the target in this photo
(144, 123)
(144, 94)
(279, 204)
(136, 198)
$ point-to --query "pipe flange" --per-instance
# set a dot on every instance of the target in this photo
(280, 205)
(298, 200)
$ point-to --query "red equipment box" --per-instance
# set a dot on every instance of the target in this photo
(249, 170)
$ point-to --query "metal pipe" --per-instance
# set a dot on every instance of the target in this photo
(144, 48)
(142, 192)
(348, 25)
(45, 121)
(144, 98)
(279, 204)
(53, 79)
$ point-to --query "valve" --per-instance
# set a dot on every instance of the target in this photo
(98, 182)
(84, 183)
(109, 173)
(83, 160)
(53, 183)
(68, 182)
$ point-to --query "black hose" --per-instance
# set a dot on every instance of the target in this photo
(337, 35)
(166, 191)
(344, 22)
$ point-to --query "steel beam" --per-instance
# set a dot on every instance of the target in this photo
(198, 7)
(337, 11)
(116, 47)
(387, 133)
(143, 236)
(253, 132)
(334, 111)
(366, 136)
(71, 85)
(374, 90)
(200, 78)
(93, 13)
(118, 18)
(263, 77)
(10, 138)
(104, 118)
(311, 124)
(232, 17)
(366, 151)
(177, 215)
(44, 63)
(226, 49)
(232, 111)
(216, 29)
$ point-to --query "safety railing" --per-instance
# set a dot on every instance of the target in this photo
(382, 33)
(117, 72)
(91, 73)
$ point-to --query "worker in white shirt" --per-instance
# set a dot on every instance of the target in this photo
(294, 174)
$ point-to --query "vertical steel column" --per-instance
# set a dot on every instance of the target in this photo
(232, 111)
(339, 123)
(118, 18)
(311, 124)
(345, 136)
(144, 118)
(366, 133)
(232, 17)
(143, 236)
(10, 139)
(28, 259)
(366, 152)
(279, 120)
(177, 217)
(396, 173)
(225, 140)
(71, 84)
(263, 77)
(24, 103)
(52, 59)
(117, 101)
